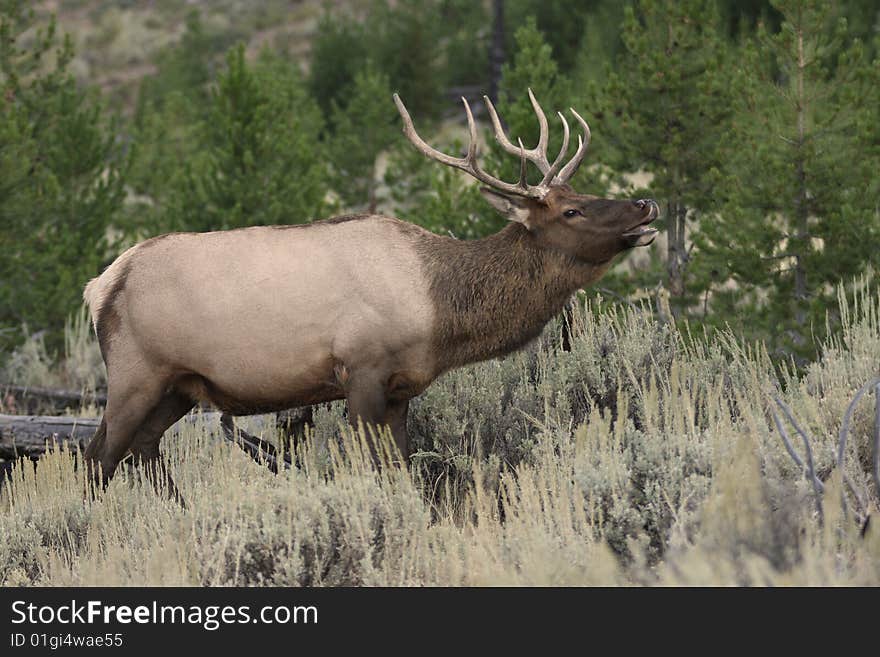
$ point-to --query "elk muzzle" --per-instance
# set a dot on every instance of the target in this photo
(641, 234)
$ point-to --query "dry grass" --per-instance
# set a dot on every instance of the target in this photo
(643, 456)
(78, 368)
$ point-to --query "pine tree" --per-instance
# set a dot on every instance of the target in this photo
(362, 129)
(171, 105)
(404, 44)
(566, 25)
(263, 163)
(665, 107)
(531, 67)
(339, 50)
(802, 199)
(61, 178)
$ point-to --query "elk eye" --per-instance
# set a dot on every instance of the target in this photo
(572, 213)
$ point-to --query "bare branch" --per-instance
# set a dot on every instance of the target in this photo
(810, 474)
(809, 471)
(847, 418)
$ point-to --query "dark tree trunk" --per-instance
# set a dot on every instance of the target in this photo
(801, 232)
(567, 319)
(676, 255)
(496, 52)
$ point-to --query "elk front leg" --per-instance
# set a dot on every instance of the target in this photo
(368, 402)
(395, 417)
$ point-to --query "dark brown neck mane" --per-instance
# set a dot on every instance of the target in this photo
(494, 295)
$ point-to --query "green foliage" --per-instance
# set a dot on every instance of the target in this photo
(401, 41)
(184, 67)
(260, 161)
(441, 199)
(404, 44)
(465, 37)
(170, 103)
(801, 211)
(568, 26)
(339, 50)
(669, 99)
(363, 129)
(60, 179)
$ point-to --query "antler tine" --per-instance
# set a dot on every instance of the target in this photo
(500, 135)
(469, 163)
(551, 173)
(536, 155)
(523, 173)
(410, 131)
(541, 148)
(810, 474)
(571, 168)
(847, 417)
(472, 132)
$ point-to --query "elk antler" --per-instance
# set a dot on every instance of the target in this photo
(537, 155)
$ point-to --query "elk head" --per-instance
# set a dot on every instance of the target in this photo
(588, 228)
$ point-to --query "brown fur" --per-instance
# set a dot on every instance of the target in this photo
(494, 295)
(107, 320)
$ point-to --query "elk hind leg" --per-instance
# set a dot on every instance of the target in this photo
(145, 444)
(128, 406)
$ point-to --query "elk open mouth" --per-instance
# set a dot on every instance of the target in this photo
(642, 234)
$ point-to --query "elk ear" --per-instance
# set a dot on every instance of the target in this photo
(514, 208)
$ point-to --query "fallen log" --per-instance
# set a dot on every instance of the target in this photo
(28, 435)
(29, 400)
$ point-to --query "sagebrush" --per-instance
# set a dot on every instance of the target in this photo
(645, 455)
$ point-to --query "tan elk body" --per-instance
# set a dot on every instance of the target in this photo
(363, 307)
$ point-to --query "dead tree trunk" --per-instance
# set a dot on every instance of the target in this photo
(801, 210)
(676, 256)
(30, 400)
(496, 51)
(28, 435)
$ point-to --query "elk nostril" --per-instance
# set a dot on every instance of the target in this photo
(648, 203)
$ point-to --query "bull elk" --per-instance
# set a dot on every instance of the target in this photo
(362, 307)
